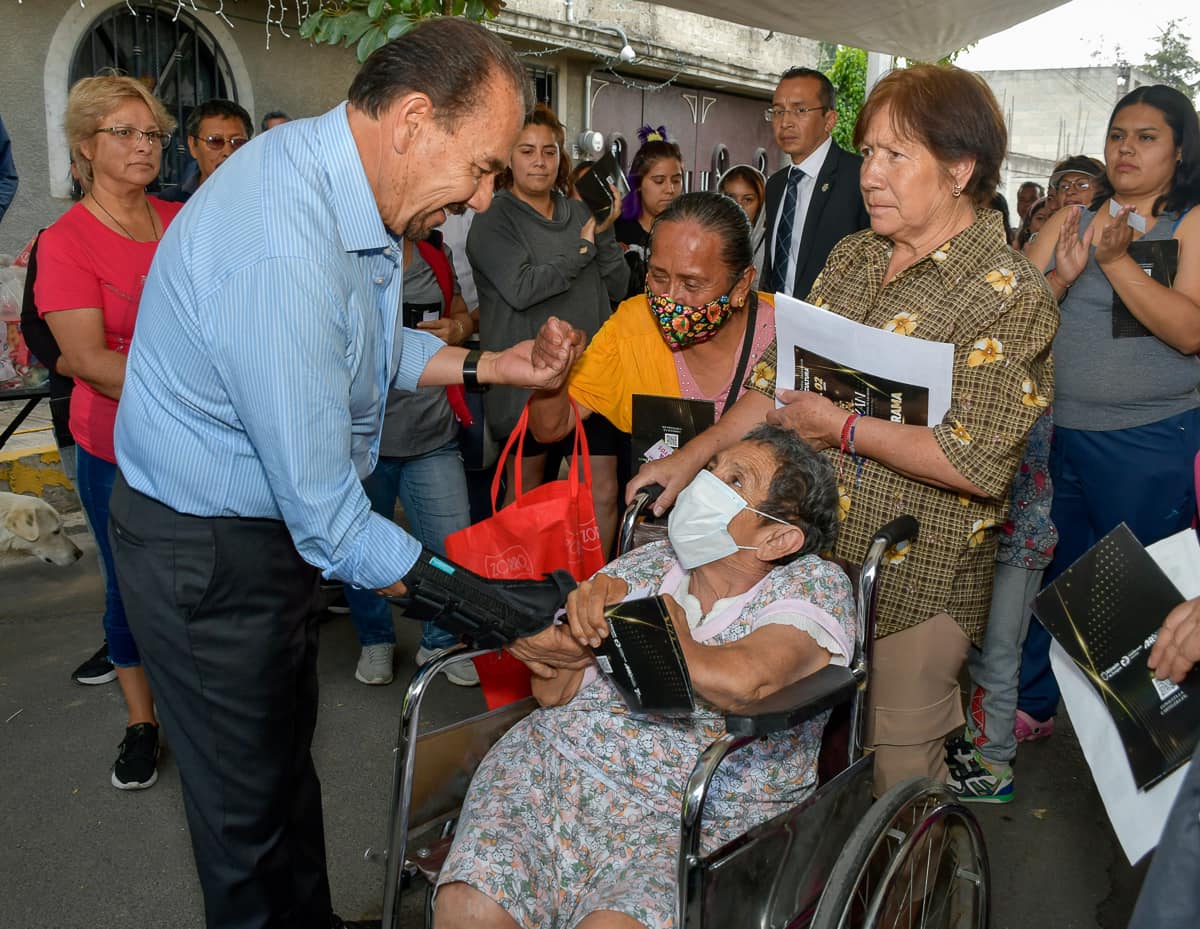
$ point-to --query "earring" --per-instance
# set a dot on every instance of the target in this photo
(956, 190)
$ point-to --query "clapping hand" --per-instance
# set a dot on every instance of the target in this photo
(1113, 242)
(1070, 251)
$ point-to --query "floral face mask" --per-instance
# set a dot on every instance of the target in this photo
(683, 325)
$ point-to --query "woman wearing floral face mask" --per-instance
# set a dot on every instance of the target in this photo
(698, 324)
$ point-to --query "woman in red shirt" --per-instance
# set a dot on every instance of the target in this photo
(93, 262)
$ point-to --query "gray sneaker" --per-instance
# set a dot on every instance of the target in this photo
(462, 673)
(375, 664)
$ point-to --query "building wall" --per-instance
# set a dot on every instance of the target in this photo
(294, 76)
(727, 61)
(1055, 112)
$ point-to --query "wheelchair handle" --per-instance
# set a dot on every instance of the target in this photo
(651, 492)
(900, 529)
(642, 499)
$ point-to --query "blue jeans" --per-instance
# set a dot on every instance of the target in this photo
(1141, 476)
(94, 480)
(433, 491)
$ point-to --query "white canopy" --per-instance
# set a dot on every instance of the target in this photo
(922, 29)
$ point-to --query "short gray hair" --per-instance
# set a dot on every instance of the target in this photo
(803, 490)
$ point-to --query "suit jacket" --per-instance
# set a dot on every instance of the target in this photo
(835, 211)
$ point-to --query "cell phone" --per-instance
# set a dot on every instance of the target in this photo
(420, 313)
(594, 186)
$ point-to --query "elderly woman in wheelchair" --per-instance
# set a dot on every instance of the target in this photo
(573, 817)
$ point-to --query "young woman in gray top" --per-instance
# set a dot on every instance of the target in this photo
(1127, 380)
(537, 254)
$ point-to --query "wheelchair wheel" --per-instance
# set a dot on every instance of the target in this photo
(917, 859)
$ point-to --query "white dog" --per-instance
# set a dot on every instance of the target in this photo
(31, 525)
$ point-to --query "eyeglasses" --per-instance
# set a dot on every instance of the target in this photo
(133, 136)
(215, 143)
(1067, 186)
(772, 113)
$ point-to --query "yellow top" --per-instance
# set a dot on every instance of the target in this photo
(627, 356)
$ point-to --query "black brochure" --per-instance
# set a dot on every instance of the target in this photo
(593, 187)
(663, 425)
(1159, 258)
(643, 659)
(858, 392)
(1105, 611)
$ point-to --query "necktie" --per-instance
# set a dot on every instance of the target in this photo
(783, 237)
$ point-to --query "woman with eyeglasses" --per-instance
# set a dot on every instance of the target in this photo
(215, 130)
(1074, 181)
(1125, 272)
(92, 264)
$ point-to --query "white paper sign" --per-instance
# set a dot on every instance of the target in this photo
(1137, 817)
(871, 351)
(1136, 220)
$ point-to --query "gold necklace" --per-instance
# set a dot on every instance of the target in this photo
(128, 234)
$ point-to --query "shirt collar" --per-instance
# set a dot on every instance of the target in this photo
(811, 166)
(965, 253)
(358, 220)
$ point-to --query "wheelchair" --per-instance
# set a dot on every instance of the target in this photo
(837, 860)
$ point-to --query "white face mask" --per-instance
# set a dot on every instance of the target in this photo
(698, 526)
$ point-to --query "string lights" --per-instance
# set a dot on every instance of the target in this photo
(277, 10)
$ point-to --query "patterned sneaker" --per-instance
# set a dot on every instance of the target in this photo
(1028, 729)
(96, 670)
(136, 767)
(462, 673)
(977, 780)
(375, 664)
(959, 750)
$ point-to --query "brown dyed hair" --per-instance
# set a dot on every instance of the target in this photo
(90, 102)
(542, 115)
(952, 112)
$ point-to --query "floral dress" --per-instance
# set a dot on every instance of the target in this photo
(577, 808)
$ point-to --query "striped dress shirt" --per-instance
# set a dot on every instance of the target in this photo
(267, 338)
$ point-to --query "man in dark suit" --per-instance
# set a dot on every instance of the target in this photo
(815, 201)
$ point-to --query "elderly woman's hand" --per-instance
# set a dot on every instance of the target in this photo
(1113, 242)
(816, 419)
(546, 651)
(586, 604)
(1177, 649)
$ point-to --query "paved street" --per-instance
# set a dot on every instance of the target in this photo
(77, 853)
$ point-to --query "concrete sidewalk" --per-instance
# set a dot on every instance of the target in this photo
(78, 854)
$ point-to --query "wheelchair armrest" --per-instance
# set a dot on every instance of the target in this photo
(796, 704)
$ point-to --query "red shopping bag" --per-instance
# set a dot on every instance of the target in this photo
(552, 527)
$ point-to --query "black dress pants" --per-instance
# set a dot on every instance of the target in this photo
(223, 612)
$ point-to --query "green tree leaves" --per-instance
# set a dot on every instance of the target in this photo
(368, 24)
(849, 77)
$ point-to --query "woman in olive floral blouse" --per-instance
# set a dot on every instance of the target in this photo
(932, 266)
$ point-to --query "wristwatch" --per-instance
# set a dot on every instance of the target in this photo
(470, 372)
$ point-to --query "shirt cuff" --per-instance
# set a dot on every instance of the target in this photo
(416, 348)
(386, 555)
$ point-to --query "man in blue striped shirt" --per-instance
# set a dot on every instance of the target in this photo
(267, 339)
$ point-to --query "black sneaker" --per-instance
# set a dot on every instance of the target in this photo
(136, 762)
(96, 670)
